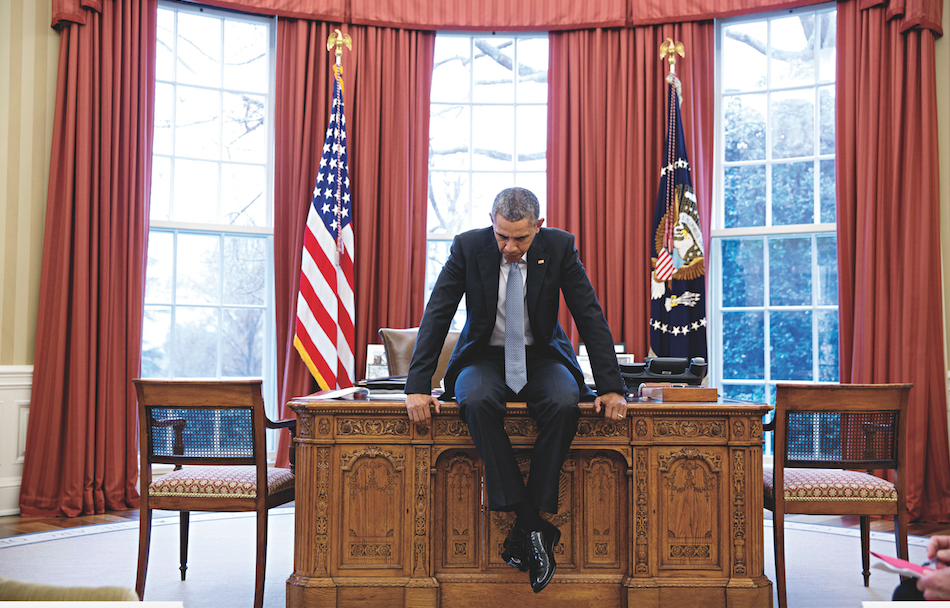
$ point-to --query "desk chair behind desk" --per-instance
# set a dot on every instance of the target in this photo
(399, 344)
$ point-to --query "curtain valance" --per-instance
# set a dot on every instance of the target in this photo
(513, 15)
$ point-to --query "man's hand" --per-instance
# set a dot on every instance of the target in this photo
(939, 547)
(936, 585)
(615, 406)
(418, 406)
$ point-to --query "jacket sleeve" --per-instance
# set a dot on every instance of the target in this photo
(436, 320)
(591, 324)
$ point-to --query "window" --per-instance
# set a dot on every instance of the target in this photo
(487, 132)
(774, 281)
(209, 309)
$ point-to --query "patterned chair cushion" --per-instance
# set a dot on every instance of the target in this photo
(219, 482)
(830, 484)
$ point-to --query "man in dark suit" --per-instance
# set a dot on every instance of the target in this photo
(532, 361)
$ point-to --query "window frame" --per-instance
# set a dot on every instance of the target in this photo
(223, 231)
(719, 233)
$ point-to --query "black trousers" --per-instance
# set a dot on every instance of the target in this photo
(551, 395)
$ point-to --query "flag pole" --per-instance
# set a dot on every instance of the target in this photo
(335, 42)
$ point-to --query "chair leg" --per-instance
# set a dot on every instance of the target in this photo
(778, 533)
(185, 519)
(900, 537)
(261, 558)
(865, 549)
(145, 535)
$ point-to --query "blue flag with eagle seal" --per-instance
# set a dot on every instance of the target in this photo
(678, 280)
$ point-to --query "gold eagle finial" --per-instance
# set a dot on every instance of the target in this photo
(669, 50)
(337, 39)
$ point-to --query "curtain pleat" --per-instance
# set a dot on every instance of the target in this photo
(890, 292)
(81, 448)
(606, 130)
(387, 78)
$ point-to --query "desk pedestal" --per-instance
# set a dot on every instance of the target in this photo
(661, 509)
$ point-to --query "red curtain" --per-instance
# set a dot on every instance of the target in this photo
(606, 131)
(387, 78)
(81, 448)
(890, 294)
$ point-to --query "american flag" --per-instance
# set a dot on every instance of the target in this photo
(325, 336)
(678, 306)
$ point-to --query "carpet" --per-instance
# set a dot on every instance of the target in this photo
(823, 563)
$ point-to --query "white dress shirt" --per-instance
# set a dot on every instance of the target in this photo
(498, 333)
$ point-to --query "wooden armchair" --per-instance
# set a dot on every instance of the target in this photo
(822, 429)
(399, 343)
(218, 426)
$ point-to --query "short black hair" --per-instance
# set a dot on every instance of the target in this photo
(516, 204)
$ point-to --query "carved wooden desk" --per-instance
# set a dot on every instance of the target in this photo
(662, 508)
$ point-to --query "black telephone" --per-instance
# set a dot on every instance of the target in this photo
(679, 370)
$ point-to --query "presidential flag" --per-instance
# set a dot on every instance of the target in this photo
(678, 302)
(325, 336)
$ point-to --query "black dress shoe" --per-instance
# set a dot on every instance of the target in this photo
(541, 564)
(515, 552)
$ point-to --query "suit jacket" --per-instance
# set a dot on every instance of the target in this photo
(472, 269)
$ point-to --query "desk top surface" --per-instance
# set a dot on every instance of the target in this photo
(397, 403)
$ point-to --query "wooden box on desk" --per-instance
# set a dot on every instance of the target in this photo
(678, 393)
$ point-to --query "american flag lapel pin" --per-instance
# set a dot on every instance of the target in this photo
(540, 261)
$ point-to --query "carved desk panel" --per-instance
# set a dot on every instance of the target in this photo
(662, 508)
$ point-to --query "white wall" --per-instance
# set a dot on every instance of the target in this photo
(15, 384)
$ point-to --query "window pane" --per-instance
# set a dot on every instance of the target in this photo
(245, 270)
(743, 61)
(826, 124)
(790, 334)
(826, 182)
(198, 123)
(196, 191)
(198, 269)
(532, 140)
(827, 270)
(744, 124)
(494, 141)
(743, 279)
(437, 252)
(743, 345)
(161, 188)
(827, 53)
(746, 392)
(196, 342)
(793, 51)
(242, 345)
(164, 57)
(494, 80)
(164, 115)
(244, 195)
(793, 123)
(449, 201)
(449, 137)
(793, 193)
(828, 345)
(745, 196)
(245, 138)
(245, 50)
(532, 70)
(790, 271)
(158, 273)
(535, 182)
(199, 50)
(156, 334)
(451, 79)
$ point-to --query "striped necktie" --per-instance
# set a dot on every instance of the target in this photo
(516, 368)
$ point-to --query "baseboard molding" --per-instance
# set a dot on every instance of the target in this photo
(16, 384)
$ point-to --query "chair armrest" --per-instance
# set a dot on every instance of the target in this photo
(291, 425)
(178, 426)
(769, 426)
